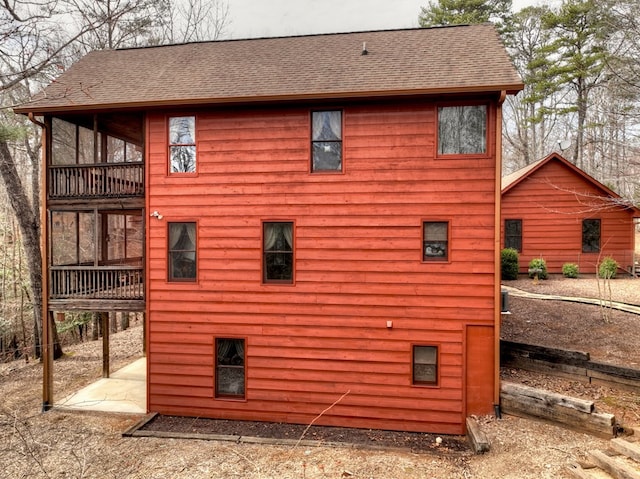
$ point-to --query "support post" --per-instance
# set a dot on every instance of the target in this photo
(47, 362)
(104, 319)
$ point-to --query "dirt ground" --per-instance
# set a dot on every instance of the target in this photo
(63, 444)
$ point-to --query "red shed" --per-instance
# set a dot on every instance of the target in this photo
(551, 209)
(321, 220)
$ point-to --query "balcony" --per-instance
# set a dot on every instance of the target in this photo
(109, 180)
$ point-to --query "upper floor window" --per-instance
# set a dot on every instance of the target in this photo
(462, 130)
(435, 241)
(278, 252)
(326, 141)
(590, 236)
(182, 252)
(182, 144)
(513, 234)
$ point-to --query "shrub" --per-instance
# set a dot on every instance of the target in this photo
(608, 268)
(509, 263)
(570, 270)
(538, 266)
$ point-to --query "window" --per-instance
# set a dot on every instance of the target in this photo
(425, 365)
(462, 130)
(590, 236)
(513, 234)
(182, 252)
(326, 141)
(182, 144)
(435, 243)
(230, 362)
(278, 252)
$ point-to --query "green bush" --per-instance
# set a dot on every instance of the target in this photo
(570, 270)
(608, 268)
(509, 263)
(538, 266)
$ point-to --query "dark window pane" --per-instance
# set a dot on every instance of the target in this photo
(462, 130)
(278, 252)
(230, 361)
(435, 241)
(182, 252)
(513, 234)
(590, 236)
(327, 156)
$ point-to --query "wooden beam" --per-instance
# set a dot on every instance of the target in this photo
(478, 439)
(617, 469)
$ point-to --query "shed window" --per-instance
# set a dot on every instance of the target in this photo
(462, 130)
(230, 371)
(326, 141)
(182, 252)
(182, 144)
(590, 236)
(425, 365)
(435, 241)
(513, 234)
(278, 252)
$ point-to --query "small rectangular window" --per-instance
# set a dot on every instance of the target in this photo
(230, 374)
(182, 252)
(435, 241)
(513, 234)
(278, 252)
(326, 141)
(425, 365)
(590, 236)
(182, 144)
(462, 130)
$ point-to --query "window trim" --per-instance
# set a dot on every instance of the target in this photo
(169, 145)
(312, 141)
(435, 260)
(438, 365)
(582, 237)
(263, 267)
(169, 251)
(488, 130)
(519, 250)
(223, 396)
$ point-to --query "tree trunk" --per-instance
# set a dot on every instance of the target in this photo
(30, 229)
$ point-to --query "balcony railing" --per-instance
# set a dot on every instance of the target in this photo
(104, 282)
(96, 181)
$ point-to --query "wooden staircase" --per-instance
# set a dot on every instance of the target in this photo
(620, 461)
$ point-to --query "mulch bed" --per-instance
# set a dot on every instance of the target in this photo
(291, 434)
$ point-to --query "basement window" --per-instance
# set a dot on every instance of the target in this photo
(425, 365)
(326, 141)
(182, 144)
(230, 370)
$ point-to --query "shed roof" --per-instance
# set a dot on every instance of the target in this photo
(468, 58)
(511, 181)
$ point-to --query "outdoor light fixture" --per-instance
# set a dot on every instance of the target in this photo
(155, 214)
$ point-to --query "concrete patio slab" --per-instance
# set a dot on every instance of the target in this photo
(125, 391)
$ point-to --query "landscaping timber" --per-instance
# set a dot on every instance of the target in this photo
(477, 438)
(575, 413)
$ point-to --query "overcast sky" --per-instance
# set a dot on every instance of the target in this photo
(269, 18)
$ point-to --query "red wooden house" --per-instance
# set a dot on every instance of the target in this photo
(321, 219)
(551, 209)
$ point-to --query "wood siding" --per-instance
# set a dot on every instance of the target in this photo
(552, 202)
(357, 262)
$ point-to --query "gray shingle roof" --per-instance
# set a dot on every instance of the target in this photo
(399, 62)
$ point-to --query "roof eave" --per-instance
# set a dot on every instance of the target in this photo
(511, 89)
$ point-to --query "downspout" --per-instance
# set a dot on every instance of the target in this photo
(497, 260)
(47, 338)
